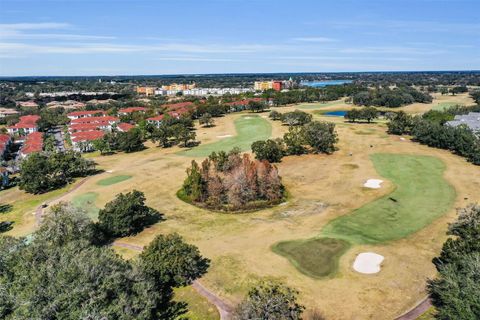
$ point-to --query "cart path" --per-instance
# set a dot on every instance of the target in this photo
(224, 308)
(417, 311)
(39, 209)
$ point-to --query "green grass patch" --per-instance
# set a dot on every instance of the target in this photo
(112, 180)
(250, 128)
(428, 315)
(316, 258)
(421, 196)
(443, 106)
(86, 201)
(199, 308)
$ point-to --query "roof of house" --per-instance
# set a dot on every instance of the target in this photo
(26, 122)
(8, 111)
(245, 102)
(125, 126)
(86, 126)
(179, 105)
(157, 118)
(84, 113)
(132, 109)
(95, 120)
(33, 143)
(87, 135)
(4, 138)
(471, 120)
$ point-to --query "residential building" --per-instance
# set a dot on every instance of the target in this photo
(268, 85)
(82, 141)
(33, 143)
(471, 120)
(156, 120)
(125, 127)
(27, 104)
(4, 112)
(148, 91)
(99, 120)
(26, 125)
(178, 87)
(5, 141)
(126, 111)
(85, 114)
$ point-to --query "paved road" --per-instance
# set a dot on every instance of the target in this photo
(58, 134)
(224, 308)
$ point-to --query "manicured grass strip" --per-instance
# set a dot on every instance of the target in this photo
(421, 196)
(316, 258)
(112, 180)
(86, 202)
(444, 105)
(250, 128)
(198, 307)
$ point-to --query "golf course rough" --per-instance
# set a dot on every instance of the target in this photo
(421, 195)
(250, 128)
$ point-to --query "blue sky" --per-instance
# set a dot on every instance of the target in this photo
(127, 37)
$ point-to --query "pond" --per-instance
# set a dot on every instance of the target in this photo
(321, 84)
(338, 113)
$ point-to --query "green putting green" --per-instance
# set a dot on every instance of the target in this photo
(86, 201)
(250, 128)
(316, 258)
(420, 197)
(112, 180)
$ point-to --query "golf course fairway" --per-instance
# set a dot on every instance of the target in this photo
(250, 128)
(421, 195)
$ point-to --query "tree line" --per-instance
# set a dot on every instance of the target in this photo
(460, 140)
(303, 136)
(390, 98)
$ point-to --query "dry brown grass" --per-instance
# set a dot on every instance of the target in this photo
(321, 188)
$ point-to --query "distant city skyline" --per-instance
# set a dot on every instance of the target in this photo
(145, 37)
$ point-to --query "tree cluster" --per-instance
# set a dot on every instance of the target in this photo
(232, 182)
(455, 290)
(367, 114)
(63, 274)
(294, 118)
(390, 98)
(126, 215)
(315, 137)
(130, 141)
(270, 300)
(460, 140)
(40, 172)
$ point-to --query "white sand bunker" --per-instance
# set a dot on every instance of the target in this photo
(225, 136)
(373, 183)
(109, 171)
(368, 263)
(247, 117)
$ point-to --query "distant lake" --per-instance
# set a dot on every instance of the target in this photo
(336, 113)
(321, 84)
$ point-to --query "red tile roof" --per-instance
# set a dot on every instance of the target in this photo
(86, 126)
(85, 113)
(132, 109)
(245, 102)
(125, 126)
(87, 136)
(26, 122)
(95, 120)
(33, 143)
(179, 105)
(157, 118)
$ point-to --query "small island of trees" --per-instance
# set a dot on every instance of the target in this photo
(232, 182)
